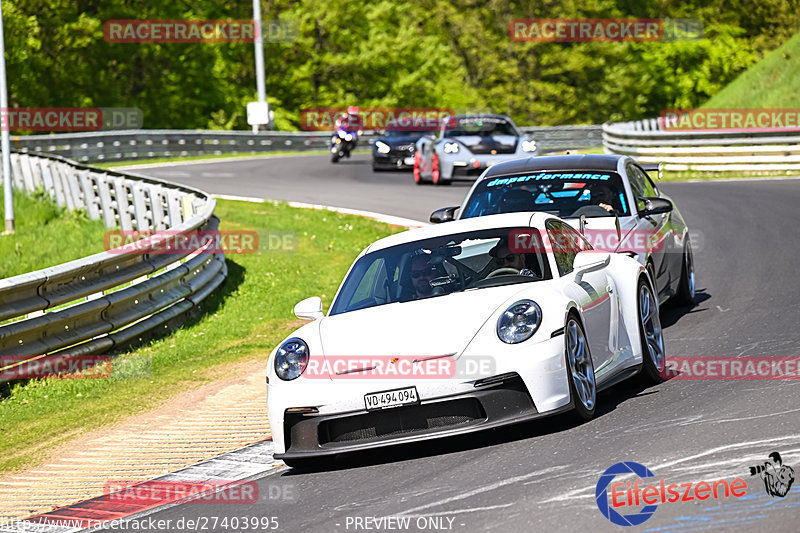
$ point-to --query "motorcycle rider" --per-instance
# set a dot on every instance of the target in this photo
(351, 123)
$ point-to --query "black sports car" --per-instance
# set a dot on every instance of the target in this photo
(395, 150)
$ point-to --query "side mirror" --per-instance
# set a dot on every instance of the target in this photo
(445, 214)
(309, 309)
(655, 206)
(589, 261)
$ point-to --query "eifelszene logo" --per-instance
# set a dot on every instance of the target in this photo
(632, 495)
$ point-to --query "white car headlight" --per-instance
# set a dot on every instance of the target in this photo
(519, 322)
(382, 147)
(528, 146)
(451, 148)
(291, 359)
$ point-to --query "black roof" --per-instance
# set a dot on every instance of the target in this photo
(556, 162)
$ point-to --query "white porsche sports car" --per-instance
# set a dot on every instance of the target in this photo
(467, 145)
(460, 327)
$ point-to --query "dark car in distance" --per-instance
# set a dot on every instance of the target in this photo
(395, 150)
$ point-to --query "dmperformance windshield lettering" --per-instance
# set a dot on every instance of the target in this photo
(548, 176)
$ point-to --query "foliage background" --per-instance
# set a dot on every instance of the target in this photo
(454, 53)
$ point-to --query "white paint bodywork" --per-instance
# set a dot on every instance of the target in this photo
(464, 324)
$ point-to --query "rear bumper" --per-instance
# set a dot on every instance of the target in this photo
(504, 402)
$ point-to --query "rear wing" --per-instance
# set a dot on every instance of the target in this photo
(650, 167)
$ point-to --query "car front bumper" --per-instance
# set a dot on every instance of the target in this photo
(393, 159)
(475, 164)
(504, 401)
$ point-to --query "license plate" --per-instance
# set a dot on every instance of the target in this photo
(391, 398)
(408, 160)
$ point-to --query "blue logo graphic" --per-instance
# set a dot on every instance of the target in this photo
(601, 494)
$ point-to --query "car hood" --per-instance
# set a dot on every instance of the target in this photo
(441, 325)
(484, 145)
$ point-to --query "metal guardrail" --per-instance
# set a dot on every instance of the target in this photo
(705, 151)
(147, 144)
(104, 301)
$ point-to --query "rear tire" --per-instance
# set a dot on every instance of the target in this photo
(417, 172)
(580, 370)
(654, 358)
(686, 286)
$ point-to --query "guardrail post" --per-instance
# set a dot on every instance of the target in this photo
(106, 205)
(140, 207)
(89, 196)
(156, 206)
(123, 205)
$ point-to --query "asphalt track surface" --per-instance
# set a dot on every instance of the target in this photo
(541, 476)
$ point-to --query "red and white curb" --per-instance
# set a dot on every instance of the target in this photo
(245, 464)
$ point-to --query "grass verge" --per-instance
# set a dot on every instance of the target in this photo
(773, 82)
(244, 319)
(46, 235)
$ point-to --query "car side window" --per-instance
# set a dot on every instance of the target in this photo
(566, 243)
(637, 182)
(648, 186)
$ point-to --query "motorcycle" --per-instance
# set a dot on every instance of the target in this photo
(342, 142)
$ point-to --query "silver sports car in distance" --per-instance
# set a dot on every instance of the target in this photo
(467, 145)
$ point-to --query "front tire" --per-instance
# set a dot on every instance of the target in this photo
(686, 286)
(580, 370)
(435, 172)
(654, 359)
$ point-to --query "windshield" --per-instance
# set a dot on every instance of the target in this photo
(482, 126)
(436, 267)
(565, 194)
